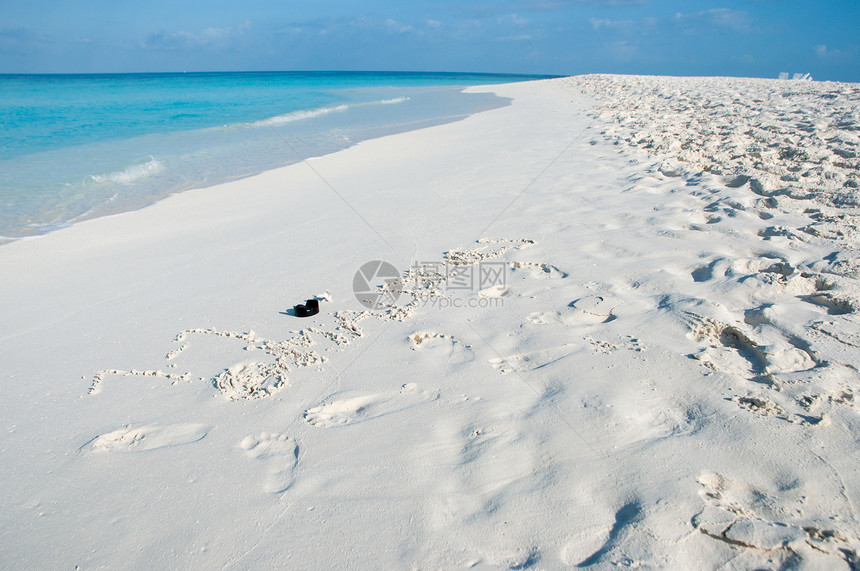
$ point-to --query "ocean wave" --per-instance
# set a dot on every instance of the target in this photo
(298, 116)
(320, 111)
(130, 173)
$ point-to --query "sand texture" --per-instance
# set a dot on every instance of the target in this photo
(663, 373)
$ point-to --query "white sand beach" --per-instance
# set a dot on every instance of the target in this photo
(668, 378)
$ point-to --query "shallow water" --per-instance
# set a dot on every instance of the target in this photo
(80, 146)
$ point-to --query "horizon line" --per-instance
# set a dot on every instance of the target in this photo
(296, 71)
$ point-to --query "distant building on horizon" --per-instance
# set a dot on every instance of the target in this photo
(796, 76)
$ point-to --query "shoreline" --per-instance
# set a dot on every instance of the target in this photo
(665, 378)
(83, 176)
(87, 216)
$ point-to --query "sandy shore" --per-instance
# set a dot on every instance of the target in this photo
(666, 378)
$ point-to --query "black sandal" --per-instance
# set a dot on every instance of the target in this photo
(310, 307)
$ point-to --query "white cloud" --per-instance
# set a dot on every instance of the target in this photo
(823, 52)
(598, 23)
(517, 38)
(211, 38)
(512, 19)
(396, 27)
(738, 20)
(361, 25)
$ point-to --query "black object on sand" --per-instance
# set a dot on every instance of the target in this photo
(310, 307)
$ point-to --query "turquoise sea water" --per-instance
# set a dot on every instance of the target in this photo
(74, 147)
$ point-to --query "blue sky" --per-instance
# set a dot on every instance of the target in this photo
(713, 37)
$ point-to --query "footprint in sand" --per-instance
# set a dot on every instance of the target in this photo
(759, 276)
(539, 270)
(149, 437)
(569, 318)
(587, 310)
(533, 360)
(741, 350)
(610, 552)
(280, 454)
(758, 523)
(595, 308)
(495, 291)
(606, 347)
(743, 269)
(640, 418)
(250, 380)
(366, 407)
(760, 405)
(834, 302)
(443, 346)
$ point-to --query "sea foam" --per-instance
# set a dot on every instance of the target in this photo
(131, 173)
(299, 115)
(320, 111)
